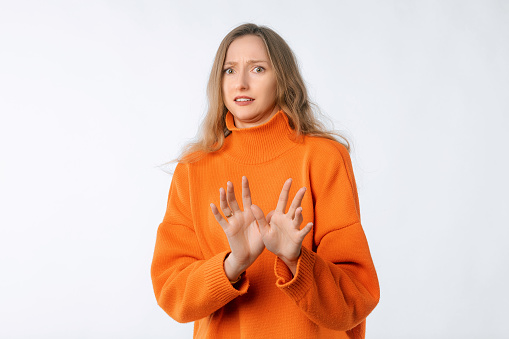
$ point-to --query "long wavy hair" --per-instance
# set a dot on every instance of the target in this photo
(291, 96)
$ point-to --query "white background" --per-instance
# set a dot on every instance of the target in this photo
(95, 94)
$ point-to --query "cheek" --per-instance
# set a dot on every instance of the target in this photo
(224, 88)
(273, 85)
(273, 89)
(224, 93)
(268, 87)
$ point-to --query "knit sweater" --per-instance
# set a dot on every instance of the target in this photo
(335, 286)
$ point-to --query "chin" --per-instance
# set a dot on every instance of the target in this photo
(248, 116)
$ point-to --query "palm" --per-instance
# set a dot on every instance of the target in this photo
(244, 237)
(241, 228)
(282, 237)
(281, 232)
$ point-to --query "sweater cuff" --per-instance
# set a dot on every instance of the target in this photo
(217, 282)
(297, 286)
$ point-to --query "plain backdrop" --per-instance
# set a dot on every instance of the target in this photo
(94, 95)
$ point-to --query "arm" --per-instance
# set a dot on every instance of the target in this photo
(187, 286)
(335, 290)
(336, 286)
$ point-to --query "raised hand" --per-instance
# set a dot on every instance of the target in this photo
(241, 229)
(281, 232)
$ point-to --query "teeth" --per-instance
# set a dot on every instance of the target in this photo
(243, 99)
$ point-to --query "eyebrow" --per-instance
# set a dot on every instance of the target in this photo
(248, 62)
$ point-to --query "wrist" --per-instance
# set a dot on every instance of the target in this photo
(291, 264)
(233, 282)
(232, 270)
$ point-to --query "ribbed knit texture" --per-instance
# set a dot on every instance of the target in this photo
(335, 286)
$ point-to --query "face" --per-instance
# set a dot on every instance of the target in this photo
(249, 82)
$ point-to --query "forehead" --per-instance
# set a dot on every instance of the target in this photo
(248, 47)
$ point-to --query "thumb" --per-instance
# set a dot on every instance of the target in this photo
(269, 216)
(260, 218)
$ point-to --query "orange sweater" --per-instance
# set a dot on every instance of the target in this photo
(335, 286)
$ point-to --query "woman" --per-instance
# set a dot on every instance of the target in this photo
(305, 272)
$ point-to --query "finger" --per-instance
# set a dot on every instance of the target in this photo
(246, 194)
(223, 203)
(219, 217)
(230, 196)
(260, 218)
(303, 232)
(283, 197)
(298, 218)
(297, 200)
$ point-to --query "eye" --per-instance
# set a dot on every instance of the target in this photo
(228, 71)
(259, 69)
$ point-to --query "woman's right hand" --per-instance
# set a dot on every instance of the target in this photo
(241, 229)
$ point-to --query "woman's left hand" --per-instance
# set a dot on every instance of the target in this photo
(282, 235)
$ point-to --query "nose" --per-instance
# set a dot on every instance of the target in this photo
(242, 82)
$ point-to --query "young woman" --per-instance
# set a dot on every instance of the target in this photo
(262, 270)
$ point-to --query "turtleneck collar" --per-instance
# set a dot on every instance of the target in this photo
(260, 143)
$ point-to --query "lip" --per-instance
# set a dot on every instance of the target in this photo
(243, 103)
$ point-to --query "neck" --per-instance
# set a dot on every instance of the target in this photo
(260, 143)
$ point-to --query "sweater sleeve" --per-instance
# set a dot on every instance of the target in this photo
(187, 286)
(335, 284)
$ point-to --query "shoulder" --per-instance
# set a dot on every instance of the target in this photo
(198, 161)
(180, 176)
(193, 157)
(327, 149)
(329, 160)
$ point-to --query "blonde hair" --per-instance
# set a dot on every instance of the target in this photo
(291, 96)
